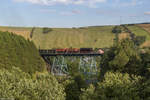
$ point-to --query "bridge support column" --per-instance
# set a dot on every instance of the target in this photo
(59, 66)
(88, 65)
(48, 62)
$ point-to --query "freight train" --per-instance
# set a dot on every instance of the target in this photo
(73, 50)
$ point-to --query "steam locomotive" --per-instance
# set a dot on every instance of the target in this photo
(73, 50)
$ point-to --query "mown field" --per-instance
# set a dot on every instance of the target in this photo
(25, 32)
(85, 37)
(146, 27)
(142, 30)
(95, 37)
(77, 38)
(138, 31)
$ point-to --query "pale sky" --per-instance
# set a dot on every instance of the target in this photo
(72, 13)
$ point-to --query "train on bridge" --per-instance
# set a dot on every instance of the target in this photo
(57, 59)
(73, 51)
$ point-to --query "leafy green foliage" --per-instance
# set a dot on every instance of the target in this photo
(145, 71)
(118, 86)
(21, 86)
(145, 90)
(73, 68)
(123, 57)
(72, 90)
(18, 52)
(89, 93)
(74, 83)
(138, 40)
(73, 86)
(124, 75)
(116, 30)
(115, 86)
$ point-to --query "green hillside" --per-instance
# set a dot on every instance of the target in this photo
(84, 37)
(138, 31)
(96, 37)
(76, 38)
(15, 51)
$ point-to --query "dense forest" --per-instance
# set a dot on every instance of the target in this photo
(123, 75)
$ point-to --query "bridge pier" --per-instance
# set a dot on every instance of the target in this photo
(59, 66)
(88, 65)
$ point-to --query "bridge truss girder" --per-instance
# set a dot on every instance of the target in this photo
(88, 65)
(59, 66)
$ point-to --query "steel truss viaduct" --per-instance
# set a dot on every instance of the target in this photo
(87, 62)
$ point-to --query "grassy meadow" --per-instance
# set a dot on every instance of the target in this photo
(25, 32)
(138, 31)
(142, 30)
(85, 37)
(145, 27)
(96, 37)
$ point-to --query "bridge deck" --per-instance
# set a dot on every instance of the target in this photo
(70, 54)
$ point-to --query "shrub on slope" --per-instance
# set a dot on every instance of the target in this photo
(18, 52)
(19, 85)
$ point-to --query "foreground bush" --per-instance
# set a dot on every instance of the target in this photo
(73, 86)
(21, 86)
(115, 86)
(18, 52)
